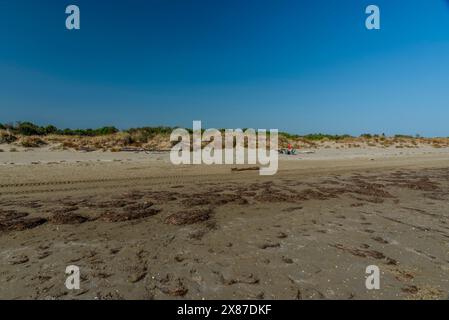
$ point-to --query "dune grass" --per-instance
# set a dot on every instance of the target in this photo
(30, 135)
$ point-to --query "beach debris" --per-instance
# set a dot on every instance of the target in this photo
(287, 260)
(189, 217)
(363, 253)
(213, 199)
(269, 245)
(139, 207)
(67, 218)
(246, 278)
(6, 215)
(128, 215)
(21, 224)
(411, 289)
(172, 286)
(281, 235)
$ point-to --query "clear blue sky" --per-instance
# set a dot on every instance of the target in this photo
(299, 66)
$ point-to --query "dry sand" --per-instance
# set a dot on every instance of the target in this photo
(140, 228)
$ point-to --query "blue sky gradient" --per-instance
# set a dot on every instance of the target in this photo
(299, 66)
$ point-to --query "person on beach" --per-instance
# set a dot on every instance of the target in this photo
(289, 149)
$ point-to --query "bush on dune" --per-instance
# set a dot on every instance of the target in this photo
(50, 129)
(87, 132)
(32, 142)
(143, 135)
(30, 135)
(320, 136)
(7, 137)
(30, 129)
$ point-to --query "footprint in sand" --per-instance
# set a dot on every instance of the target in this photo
(19, 259)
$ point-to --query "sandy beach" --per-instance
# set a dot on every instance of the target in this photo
(224, 158)
(141, 228)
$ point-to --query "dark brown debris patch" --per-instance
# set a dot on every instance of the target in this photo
(189, 217)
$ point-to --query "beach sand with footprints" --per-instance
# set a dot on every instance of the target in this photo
(141, 228)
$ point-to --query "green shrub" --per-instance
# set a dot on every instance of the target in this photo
(320, 136)
(403, 136)
(142, 135)
(28, 129)
(87, 132)
(151, 130)
(50, 129)
(105, 131)
(288, 135)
